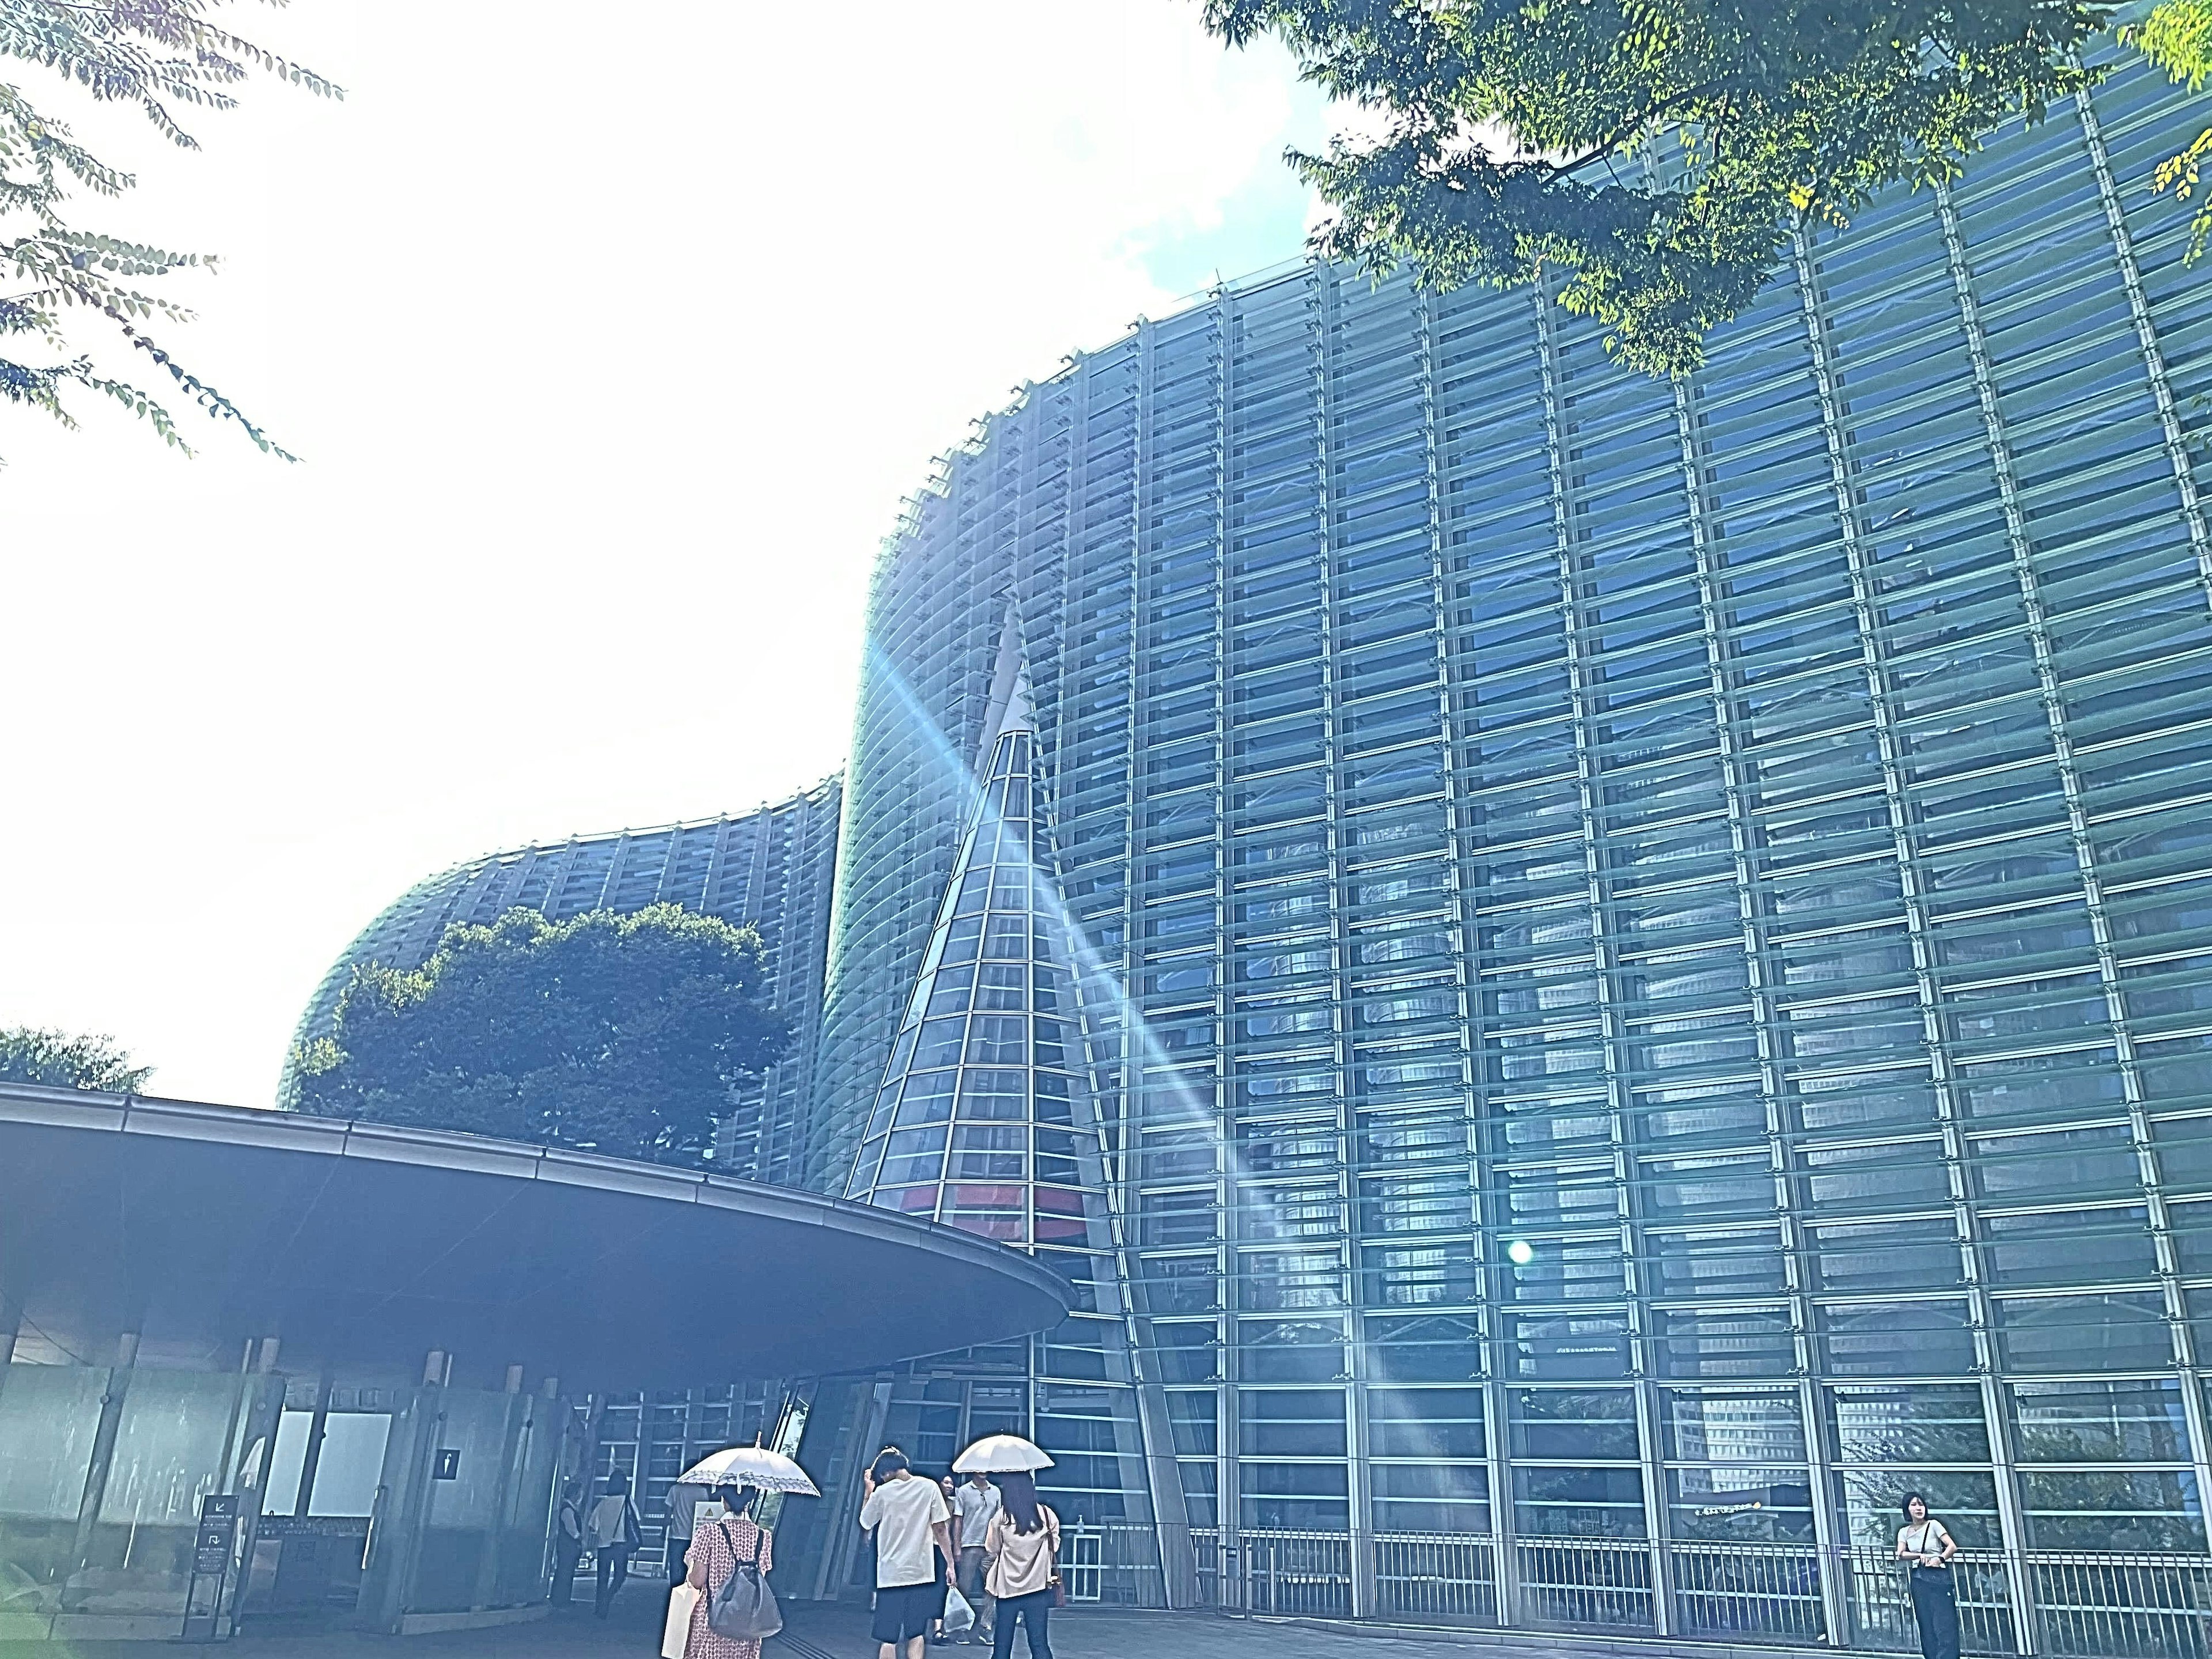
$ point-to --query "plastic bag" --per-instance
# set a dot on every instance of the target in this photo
(958, 1615)
(675, 1634)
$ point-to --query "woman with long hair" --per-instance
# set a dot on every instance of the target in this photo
(719, 1547)
(1927, 1544)
(1023, 1545)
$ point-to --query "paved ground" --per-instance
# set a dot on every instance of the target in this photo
(841, 1632)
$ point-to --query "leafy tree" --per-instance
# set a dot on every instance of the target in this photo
(617, 1034)
(29, 1054)
(161, 55)
(1519, 135)
(2176, 36)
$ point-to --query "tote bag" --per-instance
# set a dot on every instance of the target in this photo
(675, 1634)
(744, 1609)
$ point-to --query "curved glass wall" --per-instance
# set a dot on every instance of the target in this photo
(1651, 941)
(769, 870)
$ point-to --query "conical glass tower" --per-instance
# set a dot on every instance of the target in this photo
(982, 1120)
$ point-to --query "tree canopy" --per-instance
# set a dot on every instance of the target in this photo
(165, 57)
(617, 1034)
(1517, 136)
(35, 1054)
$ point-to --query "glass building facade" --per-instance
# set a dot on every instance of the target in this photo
(770, 870)
(1645, 949)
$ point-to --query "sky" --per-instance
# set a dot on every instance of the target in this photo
(612, 344)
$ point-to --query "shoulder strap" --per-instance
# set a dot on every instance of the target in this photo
(727, 1538)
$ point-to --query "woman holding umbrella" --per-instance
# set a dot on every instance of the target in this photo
(1022, 1543)
(718, 1548)
(733, 1542)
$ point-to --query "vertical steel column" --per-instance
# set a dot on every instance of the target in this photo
(263, 1416)
(1466, 983)
(1170, 1514)
(513, 1431)
(11, 1326)
(2188, 1362)
(96, 1469)
(1766, 1013)
(1605, 953)
(840, 1538)
(2174, 440)
(1322, 308)
(311, 1457)
(1995, 1406)
(1890, 749)
(1322, 311)
(396, 1541)
(1220, 1118)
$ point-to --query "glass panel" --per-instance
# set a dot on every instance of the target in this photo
(1936, 1425)
(2131, 1422)
(48, 1417)
(2114, 1510)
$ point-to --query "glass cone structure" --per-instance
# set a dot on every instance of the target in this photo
(983, 1121)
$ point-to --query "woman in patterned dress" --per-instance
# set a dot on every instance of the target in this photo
(717, 1547)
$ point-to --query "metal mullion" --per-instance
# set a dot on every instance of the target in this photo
(2175, 441)
(1139, 371)
(1227, 1499)
(1917, 925)
(2175, 446)
(1321, 307)
(1604, 952)
(1766, 1018)
(1996, 1403)
(1163, 1471)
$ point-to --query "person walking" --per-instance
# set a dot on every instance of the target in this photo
(613, 1533)
(568, 1543)
(719, 1547)
(974, 1506)
(1927, 1544)
(1023, 1545)
(683, 1504)
(909, 1521)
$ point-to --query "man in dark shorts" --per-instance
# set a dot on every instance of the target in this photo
(913, 1529)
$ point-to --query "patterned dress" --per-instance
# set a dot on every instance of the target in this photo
(712, 1546)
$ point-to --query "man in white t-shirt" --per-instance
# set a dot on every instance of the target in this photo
(912, 1525)
(975, 1504)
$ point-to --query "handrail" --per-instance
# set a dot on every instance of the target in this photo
(2076, 1604)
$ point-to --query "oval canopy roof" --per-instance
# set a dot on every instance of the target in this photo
(365, 1243)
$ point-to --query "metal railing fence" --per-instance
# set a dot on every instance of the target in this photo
(2076, 1604)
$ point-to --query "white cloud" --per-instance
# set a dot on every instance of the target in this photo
(612, 347)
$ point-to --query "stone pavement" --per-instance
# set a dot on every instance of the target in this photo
(819, 1632)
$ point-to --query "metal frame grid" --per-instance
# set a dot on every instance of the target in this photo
(1646, 966)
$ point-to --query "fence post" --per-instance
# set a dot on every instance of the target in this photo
(1363, 1573)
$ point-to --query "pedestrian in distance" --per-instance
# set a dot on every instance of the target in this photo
(976, 1505)
(613, 1533)
(682, 1503)
(937, 1635)
(567, 1542)
(911, 1524)
(719, 1545)
(1927, 1544)
(1023, 1545)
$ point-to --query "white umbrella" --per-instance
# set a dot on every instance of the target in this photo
(1000, 1453)
(749, 1466)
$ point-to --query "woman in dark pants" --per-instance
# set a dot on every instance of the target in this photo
(1924, 1542)
(1023, 1543)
